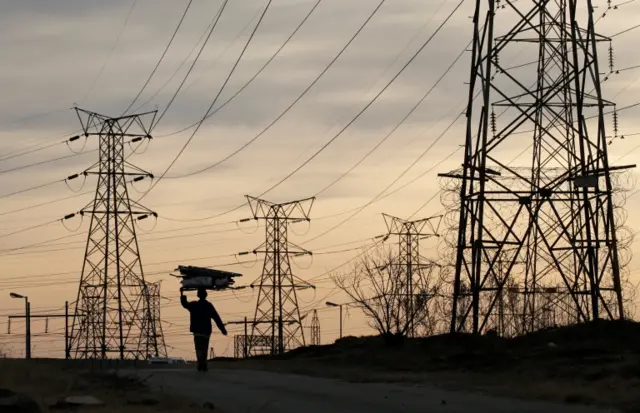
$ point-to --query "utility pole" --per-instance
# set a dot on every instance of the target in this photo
(330, 304)
(27, 316)
(410, 262)
(67, 352)
(551, 220)
(113, 313)
(277, 321)
(28, 331)
(245, 347)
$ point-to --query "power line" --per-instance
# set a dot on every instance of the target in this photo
(381, 194)
(625, 31)
(44, 224)
(166, 49)
(240, 206)
(47, 146)
(10, 154)
(282, 114)
(361, 112)
(231, 72)
(368, 105)
(32, 117)
(52, 242)
(31, 277)
(182, 63)
(113, 49)
(304, 20)
(214, 62)
(69, 178)
(215, 21)
(402, 121)
(7, 252)
(40, 284)
(31, 188)
(45, 243)
(31, 165)
(41, 204)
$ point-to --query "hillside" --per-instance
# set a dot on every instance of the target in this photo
(595, 363)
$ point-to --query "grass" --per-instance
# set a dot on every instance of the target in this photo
(588, 364)
(49, 381)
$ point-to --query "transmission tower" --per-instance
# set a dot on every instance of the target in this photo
(113, 314)
(550, 222)
(156, 338)
(277, 325)
(411, 264)
(315, 329)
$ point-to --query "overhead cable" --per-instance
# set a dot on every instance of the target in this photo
(113, 49)
(625, 31)
(166, 49)
(368, 105)
(216, 19)
(18, 152)
(295, 102)
(267, 63)
(182, 63)
(402, 121)
(21, 167)
(231, 72)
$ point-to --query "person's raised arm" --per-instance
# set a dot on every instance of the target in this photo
(183, 299)
(218, 320)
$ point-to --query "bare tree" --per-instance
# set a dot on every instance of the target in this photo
(376, 285)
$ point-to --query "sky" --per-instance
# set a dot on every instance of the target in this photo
(98, 56)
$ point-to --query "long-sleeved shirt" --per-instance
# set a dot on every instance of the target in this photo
(201, 312)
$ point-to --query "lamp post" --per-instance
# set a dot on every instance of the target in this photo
(330, 304)
(27, 313)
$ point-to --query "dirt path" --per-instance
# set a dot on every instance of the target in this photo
(245, 391)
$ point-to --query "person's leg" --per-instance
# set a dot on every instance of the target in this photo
(197, 347)
(205, 344)
(196, 340)
(201, 351)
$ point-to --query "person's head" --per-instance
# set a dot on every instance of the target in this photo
(202, 293)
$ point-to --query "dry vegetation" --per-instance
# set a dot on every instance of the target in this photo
(587, 364)
(47, 381)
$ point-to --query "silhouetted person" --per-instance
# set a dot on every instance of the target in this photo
(202, 311)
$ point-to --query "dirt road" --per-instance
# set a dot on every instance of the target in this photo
(244, 391)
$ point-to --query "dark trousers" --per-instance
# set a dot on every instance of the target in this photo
(202, 348)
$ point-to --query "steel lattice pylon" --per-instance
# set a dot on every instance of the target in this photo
(113, 313)
(277, 324)
(550, 223)
(315, 329)
(412, 266)
(156, 338)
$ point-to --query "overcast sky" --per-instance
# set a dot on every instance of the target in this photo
(56, 54)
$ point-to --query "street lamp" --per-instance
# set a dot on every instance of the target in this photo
(27, 313)
(330, 304)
